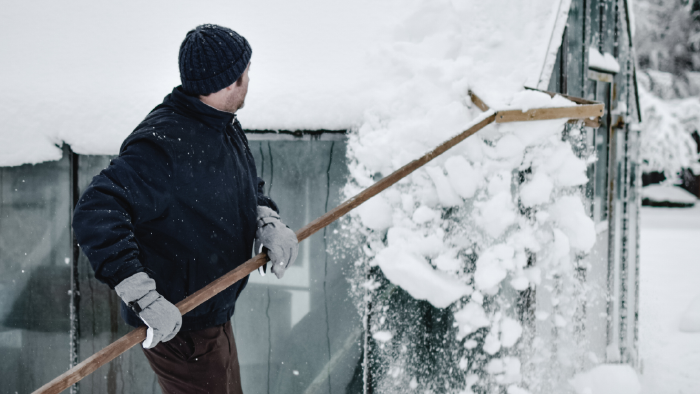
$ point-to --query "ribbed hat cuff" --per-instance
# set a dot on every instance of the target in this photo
(213, 84)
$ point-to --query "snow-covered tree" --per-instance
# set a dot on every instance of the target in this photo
(667, 34)
(667, 142)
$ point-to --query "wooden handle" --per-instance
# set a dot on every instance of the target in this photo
(136, 336)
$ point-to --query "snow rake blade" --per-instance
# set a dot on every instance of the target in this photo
(138, 335)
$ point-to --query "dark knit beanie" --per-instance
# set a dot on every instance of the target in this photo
(211, 58)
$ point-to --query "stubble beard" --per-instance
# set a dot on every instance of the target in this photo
(234, 104)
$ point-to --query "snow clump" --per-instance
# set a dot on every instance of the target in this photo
(454, 243)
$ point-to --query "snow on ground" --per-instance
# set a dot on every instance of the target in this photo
(607, 379)
(670, 274)
(668, 193)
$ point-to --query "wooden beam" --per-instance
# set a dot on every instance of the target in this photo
(588, 122)
(478, 101)
(575, 112)
(594, 123)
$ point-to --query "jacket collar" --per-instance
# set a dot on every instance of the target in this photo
(193, 107)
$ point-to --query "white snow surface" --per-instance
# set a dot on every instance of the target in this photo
(86, 73)
(462, 209)
(669, 272)
(607, 379)
(383, 336)
(602, 62)
(690, 321)
(404, 264)
(668, 193)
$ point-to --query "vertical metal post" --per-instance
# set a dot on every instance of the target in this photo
(624, 236)
(624, 353)
(74, 280)
(638, 205)
(564, 50)
(616, 33)
(612, 147)
(366, 373)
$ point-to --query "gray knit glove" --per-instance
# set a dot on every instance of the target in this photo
(279, 240)
(162, 317)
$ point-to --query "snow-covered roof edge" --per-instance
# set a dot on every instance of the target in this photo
(555, 41)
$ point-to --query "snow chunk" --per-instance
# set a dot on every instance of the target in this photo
(462, 176)
(509, 147)
(690, 321)
(447, 196)
(496, 214)
(491, 267)
(491, 343)
(605, 62)
(561, 246)
(447, 262)
(383, 336)
(470, 318)
(376, 213)
(511, 331)
(429, 246)
(520, 283)
(565, 168)
(607, 379)
(537, 191)
(500, 183)
(424, 214)
(419, 279)
(506, 369)
(571, 218)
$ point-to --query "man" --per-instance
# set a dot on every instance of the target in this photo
(181, 206)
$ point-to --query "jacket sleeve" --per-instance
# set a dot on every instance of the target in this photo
(263, 199)
(135, 188)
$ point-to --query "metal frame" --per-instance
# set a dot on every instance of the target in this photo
(296, 135)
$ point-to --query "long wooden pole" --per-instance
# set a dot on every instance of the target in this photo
(138, 335)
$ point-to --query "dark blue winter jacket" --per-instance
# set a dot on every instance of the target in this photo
(179, 203)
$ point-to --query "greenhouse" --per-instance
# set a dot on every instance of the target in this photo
(529, 229)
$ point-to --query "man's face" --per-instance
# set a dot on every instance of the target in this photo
(239, 89)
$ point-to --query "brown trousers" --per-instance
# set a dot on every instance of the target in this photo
(204, 361)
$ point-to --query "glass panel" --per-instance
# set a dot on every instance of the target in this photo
(615, 254)
(596, 306)
(596, 273)
(632, 246)
(35, 252)
(300, 334)
(101, 322)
